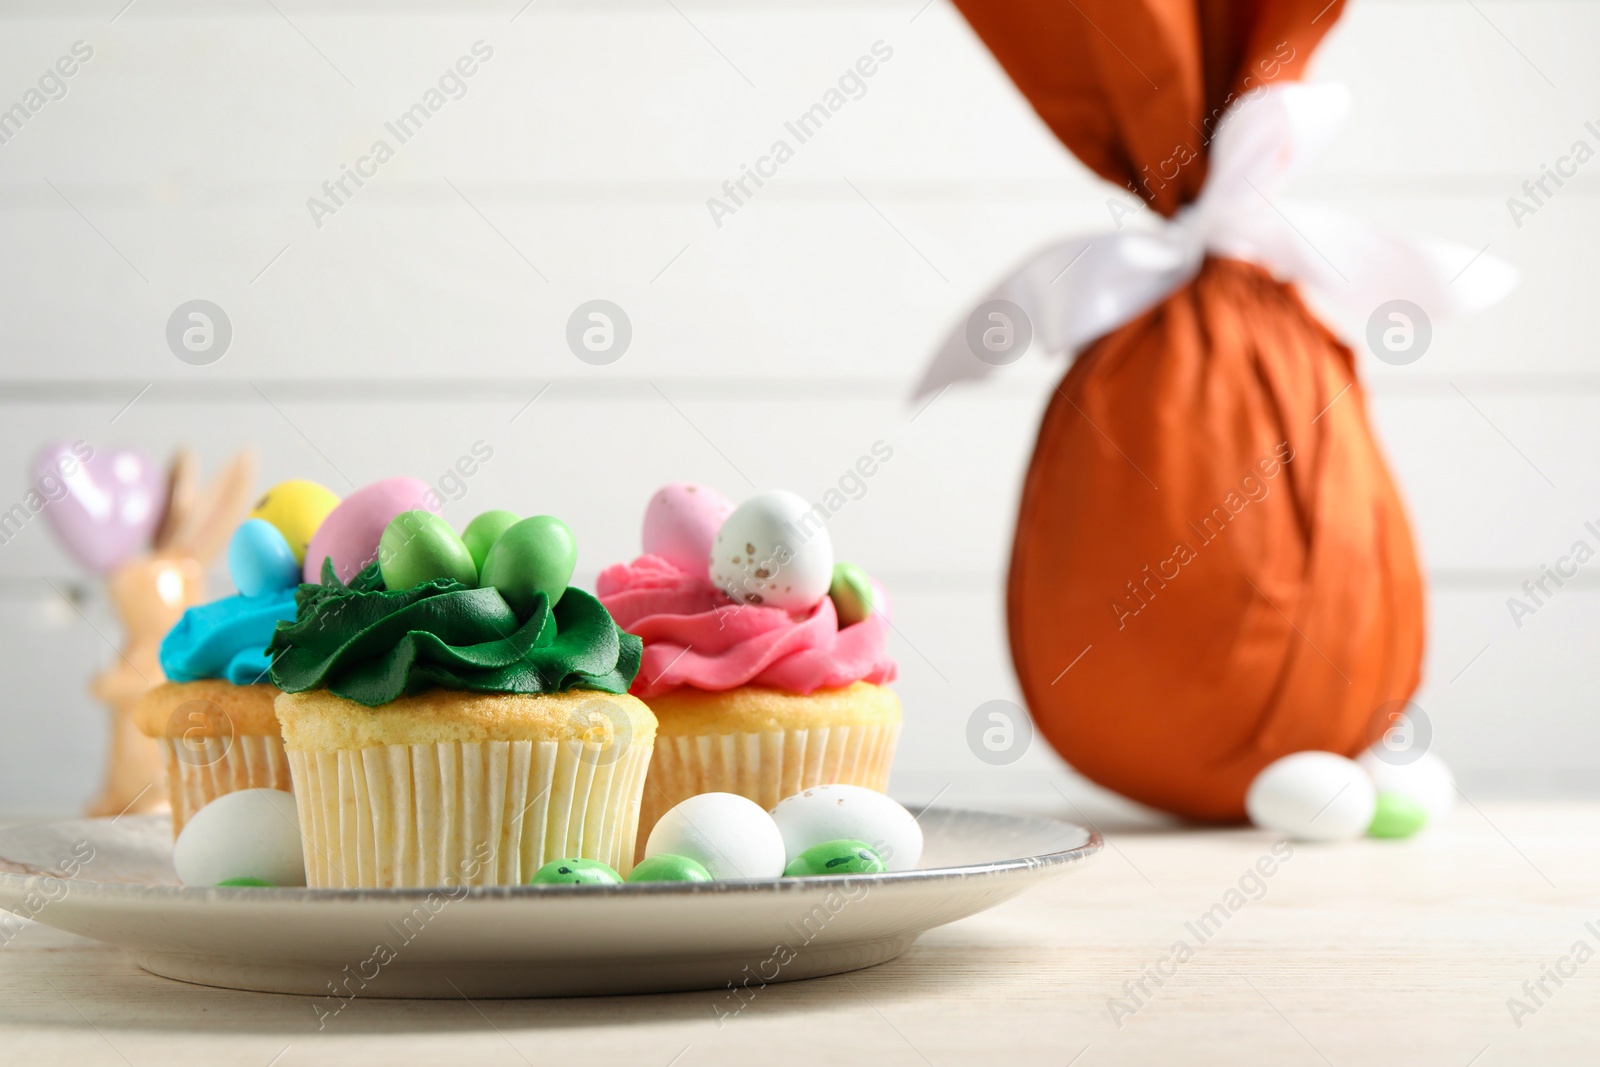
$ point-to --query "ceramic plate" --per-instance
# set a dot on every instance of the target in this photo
(516, 941)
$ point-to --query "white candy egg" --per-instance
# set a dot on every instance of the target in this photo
(849, 813)
(251, 833)
(1312, 796)
(727, 833)
(1425, 779)
(774, 550)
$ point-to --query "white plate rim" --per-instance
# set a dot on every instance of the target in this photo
(14, 881)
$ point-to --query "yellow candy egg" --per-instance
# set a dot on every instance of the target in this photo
(296, 508)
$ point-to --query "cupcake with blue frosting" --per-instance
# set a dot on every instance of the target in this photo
(213, 716)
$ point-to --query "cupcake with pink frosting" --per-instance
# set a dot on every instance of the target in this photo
(765, 660)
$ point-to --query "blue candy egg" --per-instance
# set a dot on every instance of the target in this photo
(260, 559)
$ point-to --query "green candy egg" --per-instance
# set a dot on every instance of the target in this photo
(254, 883)
(419, 546)
(835, 857)
(483, 531)
(575, 872)
(1396, 815)
(669, 868)
(532, 556)
(851, 593)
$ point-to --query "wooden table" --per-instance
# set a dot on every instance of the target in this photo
(1361, 953)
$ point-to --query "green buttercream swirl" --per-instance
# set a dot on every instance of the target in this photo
(371, 644)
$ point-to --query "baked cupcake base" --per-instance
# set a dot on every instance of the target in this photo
(767, 744)
(215, 738)
(447, 788)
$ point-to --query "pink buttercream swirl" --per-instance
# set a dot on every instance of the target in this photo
(695, 635)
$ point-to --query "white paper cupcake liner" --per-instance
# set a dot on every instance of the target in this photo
(765, 767)
(199, 771)
(454, 813)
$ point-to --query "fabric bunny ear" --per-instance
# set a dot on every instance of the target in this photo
(182, 478)
(216, 510)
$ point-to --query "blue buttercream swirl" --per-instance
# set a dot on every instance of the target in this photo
(226, 638)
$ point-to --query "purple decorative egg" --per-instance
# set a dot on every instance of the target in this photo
(680, 523)
(350, 534)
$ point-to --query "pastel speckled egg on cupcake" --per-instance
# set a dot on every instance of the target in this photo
(765, 659)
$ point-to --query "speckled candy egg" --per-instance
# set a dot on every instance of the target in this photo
(773, 550)
(665, 867)
(575, 872)
(249, 834)
(851, 593)
(1312, 796)
(853, 813)
(729, 835)
(835, 857)
(1424, 779)
(260, 559)
(680, 523)
(350, 534)
(297, 508)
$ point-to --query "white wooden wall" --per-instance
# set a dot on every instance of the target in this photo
(773, 350)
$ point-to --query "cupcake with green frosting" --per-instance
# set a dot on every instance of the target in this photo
(456, 714)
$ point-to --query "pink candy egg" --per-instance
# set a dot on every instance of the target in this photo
(350, 534)
(680, 523)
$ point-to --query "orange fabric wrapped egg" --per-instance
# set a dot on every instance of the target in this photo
(1207, 520)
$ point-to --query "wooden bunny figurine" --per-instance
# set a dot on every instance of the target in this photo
(149, 593)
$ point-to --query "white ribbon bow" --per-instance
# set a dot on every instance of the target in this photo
(1083, 288)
